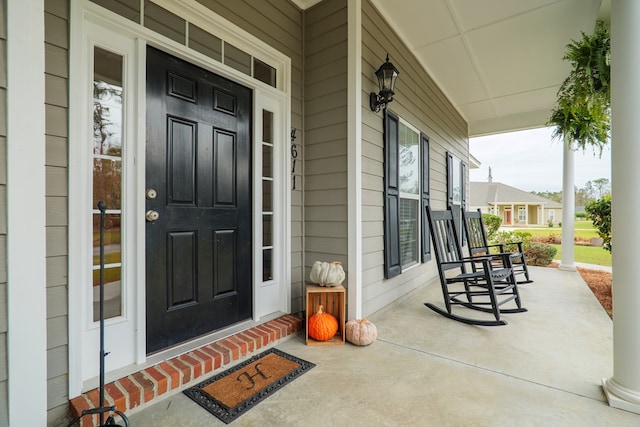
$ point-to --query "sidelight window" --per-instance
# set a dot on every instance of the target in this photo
(107, 177)
(267, 196)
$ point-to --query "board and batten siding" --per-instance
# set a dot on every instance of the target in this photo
(56, 51)
(279, 24)
(420, 102)
(325, 115)
(4, 401)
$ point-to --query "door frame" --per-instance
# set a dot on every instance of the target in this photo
(91, 24)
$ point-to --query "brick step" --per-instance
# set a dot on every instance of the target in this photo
(146, 386)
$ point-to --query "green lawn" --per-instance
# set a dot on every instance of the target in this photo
(587, 254)
(583, 231)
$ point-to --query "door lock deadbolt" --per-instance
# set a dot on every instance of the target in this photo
(151, 194)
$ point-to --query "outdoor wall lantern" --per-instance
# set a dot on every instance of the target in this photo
(386, 75)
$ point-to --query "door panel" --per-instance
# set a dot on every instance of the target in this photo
(198, 251)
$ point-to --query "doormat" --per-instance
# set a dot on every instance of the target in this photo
(236, 390)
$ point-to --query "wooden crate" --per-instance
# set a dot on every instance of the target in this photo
(333, 300)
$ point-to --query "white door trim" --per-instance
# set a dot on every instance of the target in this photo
(87, 15)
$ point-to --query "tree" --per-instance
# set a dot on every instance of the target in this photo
(582, 113)
(602, 186)
(600, 213)
(556, 196)
(491, 225)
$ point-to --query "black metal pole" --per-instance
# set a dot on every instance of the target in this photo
(102, 206)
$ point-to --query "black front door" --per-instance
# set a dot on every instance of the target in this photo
(198, 163)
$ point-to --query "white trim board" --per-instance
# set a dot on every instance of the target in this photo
(26, 218)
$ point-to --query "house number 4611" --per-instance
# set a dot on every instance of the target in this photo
(294, 157)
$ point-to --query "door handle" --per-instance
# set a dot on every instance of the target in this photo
(152, 215)
(151, 194)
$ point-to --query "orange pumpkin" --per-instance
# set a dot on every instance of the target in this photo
(322, 326)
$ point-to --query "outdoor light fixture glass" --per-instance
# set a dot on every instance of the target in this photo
(386, 75)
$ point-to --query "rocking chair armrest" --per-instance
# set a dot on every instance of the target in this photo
(484, 259)
(502, 245)
(505, 257)
(497, 245)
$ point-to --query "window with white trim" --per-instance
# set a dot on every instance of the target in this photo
(456, 191)
(552, 215)
(522, 213)
(406, 239)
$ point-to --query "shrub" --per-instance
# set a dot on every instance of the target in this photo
(600, 213)
(509, 237)
(491, 225)
(581, 215)
(540, 254)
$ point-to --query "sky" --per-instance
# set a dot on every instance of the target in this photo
(532, 161)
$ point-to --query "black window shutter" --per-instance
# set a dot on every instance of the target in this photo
(392, 266)
(449, 180)
(424, 196)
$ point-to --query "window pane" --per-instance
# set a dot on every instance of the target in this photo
(164, 22)
(263, 72)
(267, 230)
(107, 176)
(409, 160)
(267, 161)
(112, 293)
(107, 103)
(267, 196)
(267, 126)
(457, 181)
(205, 43)
(267, 261)
(237, 59)
(408, 231)
(112, 239)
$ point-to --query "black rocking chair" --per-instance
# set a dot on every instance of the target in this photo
(478, 245)
(472, 282)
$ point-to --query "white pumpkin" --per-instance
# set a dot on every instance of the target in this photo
(327, 273)
(360, 332)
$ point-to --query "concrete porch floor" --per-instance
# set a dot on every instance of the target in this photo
(542, 369)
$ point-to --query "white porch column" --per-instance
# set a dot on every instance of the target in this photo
(623, 389)
(354, 156)
(568, 206)
(26, 238)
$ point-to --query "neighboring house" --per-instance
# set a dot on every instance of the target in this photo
(234, 145)
(516, 207)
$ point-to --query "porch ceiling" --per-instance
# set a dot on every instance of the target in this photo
(498, 61)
